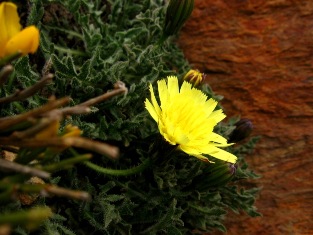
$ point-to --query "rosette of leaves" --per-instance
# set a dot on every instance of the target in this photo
(32, 146)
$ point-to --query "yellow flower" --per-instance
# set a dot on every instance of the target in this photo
(187, 119)
(71, 131)
(194, 77)
(12, 39)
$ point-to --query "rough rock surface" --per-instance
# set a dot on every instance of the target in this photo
(259, 55)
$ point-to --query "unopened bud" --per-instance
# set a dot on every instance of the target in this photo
(243, 129)
(178, 11)
(194, 77)
(215, 175)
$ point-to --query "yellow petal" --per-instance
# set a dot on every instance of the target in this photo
(50, 131)
(172, 84)
(218, 138)
(163, 94)
(71, 131)
(154, 101)
(191, 150)
(210, 106)
(26, 41)
(9, 24)
(221, 154)
(198, 96)
(218, 115)
(151, 110)
(185, 89)
(202, 158)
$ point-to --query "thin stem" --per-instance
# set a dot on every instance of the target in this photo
(60, 142)
(126, 172)
(28, 92)
(15, 167)
(13, 120)
(69, 51)
(5, 72)
(63, 192)
(119, 88)
(29, 217)
(67, 163)
(69, 32)
(9, 58)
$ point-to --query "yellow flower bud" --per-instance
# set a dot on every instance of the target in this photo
(71, 131)
(194, 77)
(12, 38)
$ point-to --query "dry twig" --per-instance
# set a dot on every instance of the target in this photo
(23, 94)
(15, 167)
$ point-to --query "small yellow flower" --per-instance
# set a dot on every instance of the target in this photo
(194, 77)
(12, 39)
(71, 131)
(187, 119)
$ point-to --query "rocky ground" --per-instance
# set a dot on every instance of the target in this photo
(259, 56)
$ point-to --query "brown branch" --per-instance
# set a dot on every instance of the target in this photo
(73, 194)
(75, 110)
(47, 67)
(4, 73)
(15, 167)
(23, 94)
(8, 122)
(59, 142)
(38, 187)
(32, 131)
(119, 88)
(99, 147)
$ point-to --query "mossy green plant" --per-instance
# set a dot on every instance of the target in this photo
(89, 46)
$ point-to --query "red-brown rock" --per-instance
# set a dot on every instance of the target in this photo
(259, 55)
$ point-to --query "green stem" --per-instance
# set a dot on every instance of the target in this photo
(19, 107)
(67, 163)
(126, 172)
(31, 188)
(162, 40)
(69, 51)
(29, 217)
(68, 32)
(9, 58)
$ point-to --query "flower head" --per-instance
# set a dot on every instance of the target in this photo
(194, 77)
(12, 38)
(186, 118)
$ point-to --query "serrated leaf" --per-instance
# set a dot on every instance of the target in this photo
(36, 13)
